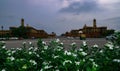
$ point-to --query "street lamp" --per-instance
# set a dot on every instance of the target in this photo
(80, 33)
(2, 32)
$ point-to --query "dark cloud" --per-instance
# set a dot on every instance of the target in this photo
(7, 16)
(113, 22)
(114, 19)
(117, 5)
(81, 7)
(43, 14)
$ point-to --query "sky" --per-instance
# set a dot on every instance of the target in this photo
(60, 16)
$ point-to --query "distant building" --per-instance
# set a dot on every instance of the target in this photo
(30, 31)
(52, 35)
(89, 31)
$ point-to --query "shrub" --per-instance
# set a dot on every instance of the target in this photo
(53, 57)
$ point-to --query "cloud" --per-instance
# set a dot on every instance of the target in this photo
(78, 7)
(108, 1)
(114, 19)
(63, 14)
(7, 16)
(112, 5)
(113, 22)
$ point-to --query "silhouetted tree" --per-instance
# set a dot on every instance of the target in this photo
(20, 32)
(108, 32)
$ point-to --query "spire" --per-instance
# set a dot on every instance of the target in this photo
(22, 22)
(94, 23)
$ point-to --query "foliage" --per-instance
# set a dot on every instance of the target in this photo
(20, 32)
(53, 57)
(108, 32)
(116, 38)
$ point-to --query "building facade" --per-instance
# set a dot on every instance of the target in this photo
(88, 31)
(27, 30)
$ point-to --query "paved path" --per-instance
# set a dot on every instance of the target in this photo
(67, 41)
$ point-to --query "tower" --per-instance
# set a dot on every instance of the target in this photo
(94, 23)
(22, 22)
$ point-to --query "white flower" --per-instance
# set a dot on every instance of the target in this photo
(41, 70)
(3, 42)
(46, 63)
(101, 51)
(8, 51)
(57, 70)
(110, 45)
(13, 52)
(42, 51)
(67, 61)
(84, 43)
(83, 60)
(9, 54)
(21, 59)
(47, 67)
(95, 45)
(37, 55)
(116, 60)
(30, 43)
(57, 40)
(117, 47)
(80, 49)
(30, 53)
(75, 55)
(45, 47)
(3, 70)
(56, 67)
(35, 49)
(3, 47)
(67, 53)
(43, 42)
(11, 58)
(77, 63)
(56, 57)
(58, 49)
(61, 43)
(49, 62)
(83, 53)
(24, 43)
(24, 66)
(94, 64)
(33, 62)
(19, 49)
(30, 48)
(91, 59)
(111, 48)
(73, 43)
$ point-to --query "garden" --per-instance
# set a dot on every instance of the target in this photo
(53, 57)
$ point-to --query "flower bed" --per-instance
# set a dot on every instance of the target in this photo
(53, 57)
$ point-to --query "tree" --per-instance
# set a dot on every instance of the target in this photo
(20, 32)
(108, 32)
